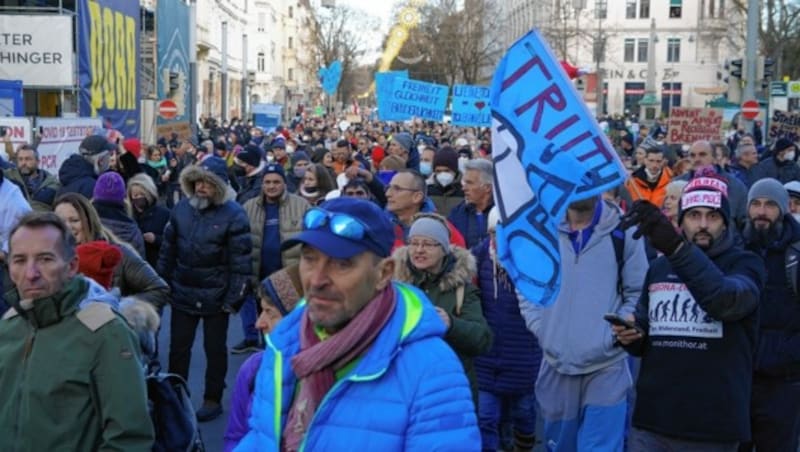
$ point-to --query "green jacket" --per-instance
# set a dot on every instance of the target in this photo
(41, 200)
(469, 334)
(70, 377)
(290, 214)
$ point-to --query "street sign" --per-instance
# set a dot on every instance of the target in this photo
(167, 109)
(777, 89)
(793, 88)
(750, 109)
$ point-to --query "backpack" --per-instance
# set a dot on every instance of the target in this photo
(172, 413)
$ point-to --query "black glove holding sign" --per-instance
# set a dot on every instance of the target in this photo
(653, 225)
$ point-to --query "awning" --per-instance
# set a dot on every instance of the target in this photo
(711, 91)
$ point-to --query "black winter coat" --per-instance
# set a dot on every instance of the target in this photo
(154, 219)
(76, 176)
(116, 219)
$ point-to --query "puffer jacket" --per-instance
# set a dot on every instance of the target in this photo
(205, 255)
(469, 334)
(42, 194)
(511, 366)
(290, 214)
(115, 218)
(408, 376)
(76, 176)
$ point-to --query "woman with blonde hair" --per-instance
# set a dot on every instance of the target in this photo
(134, 276)
(671, 200)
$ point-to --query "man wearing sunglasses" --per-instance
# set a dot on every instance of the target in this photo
(358, 343)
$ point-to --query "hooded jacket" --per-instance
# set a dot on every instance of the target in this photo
(409, 379)
(512, 364)
(291, 210)
(77, 176)
(205, 255)
(76, 382)
(778, 353)
(572, 333)
(469, 334)
(698, 315)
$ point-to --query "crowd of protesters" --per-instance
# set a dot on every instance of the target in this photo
(362, 262)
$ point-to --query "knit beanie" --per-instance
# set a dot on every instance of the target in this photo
(250, 155)
(97, 260)
(299, 156)
(110, 187)
(772, 190)
(216, 166)
(706, 189)
(431, 228)
(275, 168)
(446, 156)
(133, 145)
(404, 140)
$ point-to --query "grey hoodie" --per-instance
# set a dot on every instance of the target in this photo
(573, 335)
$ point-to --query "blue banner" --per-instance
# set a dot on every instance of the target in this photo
(267, 116)
(471, 106)
(413, 98)
(172, 20)
(108, 63)
(550, 152)
(384, 85)
(330, 77)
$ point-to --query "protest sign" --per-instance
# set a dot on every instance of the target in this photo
(19, 132)
(471, 106)
(550, 152)
(384, 86)
(687, 125)
(267, 116)
(785, 125)
(60, 138)
(416, 99)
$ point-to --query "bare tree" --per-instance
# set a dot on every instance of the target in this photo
(337, 34)
(779, 33)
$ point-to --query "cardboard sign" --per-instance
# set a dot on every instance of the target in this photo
(687, 125)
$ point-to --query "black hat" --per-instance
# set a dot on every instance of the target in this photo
(783, 143)
(250, 155)
(95, 144)
(275, 168)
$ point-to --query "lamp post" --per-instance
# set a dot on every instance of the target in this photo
(578, 5)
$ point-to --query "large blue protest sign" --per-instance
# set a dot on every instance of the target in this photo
(384, 85)
(550, 152)
(172, 19)
(413, 98)
(108, 63)
(330, 77)
(267, 116)
(471, 106)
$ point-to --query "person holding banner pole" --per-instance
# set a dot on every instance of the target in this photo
(584, 379)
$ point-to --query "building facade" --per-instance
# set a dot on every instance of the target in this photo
(693, 39)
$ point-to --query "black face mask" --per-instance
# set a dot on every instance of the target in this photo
(140, 204)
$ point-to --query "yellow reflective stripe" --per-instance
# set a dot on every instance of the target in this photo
(413, 310)
(277, 379)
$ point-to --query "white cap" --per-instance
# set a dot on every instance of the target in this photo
(793, 188)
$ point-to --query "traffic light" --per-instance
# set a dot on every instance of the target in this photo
(734, 79)
(765, 68)
(174, 81)
(735, 67)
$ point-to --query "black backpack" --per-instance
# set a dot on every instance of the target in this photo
(172, 412)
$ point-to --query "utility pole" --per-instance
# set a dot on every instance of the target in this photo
(245, 84)
(600, 50)
(224, 96)
(193, 75)
(578, 5)
(751, 58)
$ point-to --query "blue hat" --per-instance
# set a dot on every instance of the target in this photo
(216, 166)
(404, 140)
(275, 168)
(378, 230)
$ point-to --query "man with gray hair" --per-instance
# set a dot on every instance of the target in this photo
(79, 172)
(746, 159)
(470, 216)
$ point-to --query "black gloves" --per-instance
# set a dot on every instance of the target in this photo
(654, 225)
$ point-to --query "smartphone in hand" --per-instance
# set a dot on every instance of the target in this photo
(615, 319)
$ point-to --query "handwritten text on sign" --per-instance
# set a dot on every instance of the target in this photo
(687, 125)
(412, 98)
(471, 106)
(550, 152)
(785, 124)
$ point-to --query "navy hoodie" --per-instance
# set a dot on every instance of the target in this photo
(76, 176)
(699, 315)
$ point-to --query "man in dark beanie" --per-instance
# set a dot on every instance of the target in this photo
(773, 233)
(79, 171)
(446, 191)
(782, 165)
(694, 324)
(249, 166)
(205, 257)
(402, 145)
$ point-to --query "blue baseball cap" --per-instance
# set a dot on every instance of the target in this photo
(357, 218)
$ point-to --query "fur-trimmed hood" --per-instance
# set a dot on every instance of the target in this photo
(459, 269)
(195, 173)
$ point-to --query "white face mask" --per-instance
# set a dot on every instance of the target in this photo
(796, 216)
(445, 178)
(426, 168)
(270, 158)
(289, 149)
(789, 156)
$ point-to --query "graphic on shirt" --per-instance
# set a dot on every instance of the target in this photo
(674, 312)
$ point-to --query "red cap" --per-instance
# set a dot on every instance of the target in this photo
(97, 260)
(133, 145)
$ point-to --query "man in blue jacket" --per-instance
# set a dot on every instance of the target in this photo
(470, 216)
(360, 363)
(773, 233)
(695, 326)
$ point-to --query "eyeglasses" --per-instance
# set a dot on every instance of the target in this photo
(427, 246)
(399, 188)
(338, 223)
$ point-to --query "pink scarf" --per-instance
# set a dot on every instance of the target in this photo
(317, 362)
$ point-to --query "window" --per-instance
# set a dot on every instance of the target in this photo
(291, 42)
(291, 12)
(641, 54)
(670, 96)
(644, 9)
(290, 74)
(630, 9)
(634, 92)
(600, 9)
(261, 62)
(673, 50)
(262, 22)
(675, 7)
(630, 45)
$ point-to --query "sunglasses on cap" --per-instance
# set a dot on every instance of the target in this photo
(340, 224)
